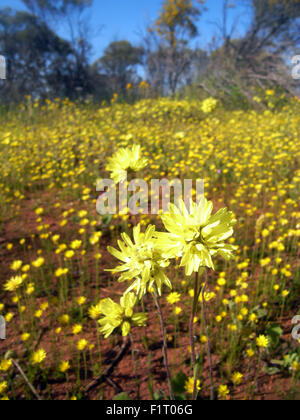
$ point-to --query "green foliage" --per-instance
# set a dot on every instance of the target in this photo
(119, 62)
(123, 396)
(275, 333)
(178, 383)
(176, 17)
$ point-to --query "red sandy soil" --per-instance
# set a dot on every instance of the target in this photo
(123, 377)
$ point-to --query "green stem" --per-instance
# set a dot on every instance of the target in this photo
(192, 341)
(164, 348)
(212, 386)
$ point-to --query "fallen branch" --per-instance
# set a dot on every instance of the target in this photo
(110, 369)
(16, 364)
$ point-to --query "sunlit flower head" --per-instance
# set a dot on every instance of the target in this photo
(64, 366)
(123, 160)
(82, 344)
(38, 357)
(5, 365)
(16, 265)
(196, 235)
(142, 260)
(3, 387)
(209, 105)
(173, 298)
(13, 284)
(120, 316)
(263, 342)
(189, 386)
(223, 391)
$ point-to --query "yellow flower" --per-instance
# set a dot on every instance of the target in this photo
(177, 310)
(120, 316)
(61, 272)
(265, 233)
(189, 386)
(223, 391)
(30, 289)
(173, 298)
(82, 344)
(44, 306)
(64, 319)
(285, 293)
(5, 365)
(123, 160)
(263, 342)
(94, 239)
(76, 244)
(3, 387)
(69, 254)
(208, 296)
(77, 329)
(270, 92)
(264, 262)
(221, 282)
(81, 300)
(95, 311)
(209, 105)
(26, 268)
(9, 316)
(82, 214)
(38, 313)
(38, 263)
(55, 238)
(13, 284)
(61, 249)
(250, 353)
(64, 366)
(253, 318)
(142, 261)
(38, 357)
(16, 265)
(218, 318)
(25, 337)
(237, 378)
(197, 235)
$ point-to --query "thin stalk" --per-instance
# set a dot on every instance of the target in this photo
(164, 348)
(192, 341)
(33, 390)
(212, 386)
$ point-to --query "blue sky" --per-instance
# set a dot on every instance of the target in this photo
(122, 19)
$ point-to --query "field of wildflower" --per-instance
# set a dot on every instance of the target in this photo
(190, 304)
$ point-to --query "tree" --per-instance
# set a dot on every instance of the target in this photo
(31, 49)
(175, 27)
(119, 64)
(239, 66)
(177, 21)
(73, 15)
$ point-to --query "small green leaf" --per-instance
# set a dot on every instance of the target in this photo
(178, 382)
(122, 397)
(272, 370)
(275, 333)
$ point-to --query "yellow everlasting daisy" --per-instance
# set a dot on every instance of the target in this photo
(196, 235)
(123, 160)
